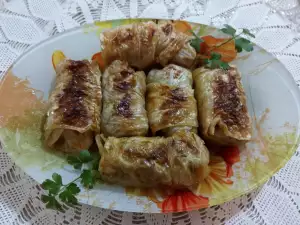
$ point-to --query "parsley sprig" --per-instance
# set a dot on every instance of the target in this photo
(196, 41)
(60, 194)
(240, 42)
(215, 60)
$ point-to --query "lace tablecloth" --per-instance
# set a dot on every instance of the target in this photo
(26, 22)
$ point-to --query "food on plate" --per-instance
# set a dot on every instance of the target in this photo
(173, 46)
(222, 109)
(123, 110)
(134, 43)
(170, 101)
(73, 117)
(180, 161)
(146, 43)
(104, 119)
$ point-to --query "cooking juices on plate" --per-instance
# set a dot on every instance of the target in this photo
(146, 126)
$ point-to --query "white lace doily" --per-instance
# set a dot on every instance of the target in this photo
(26, 22)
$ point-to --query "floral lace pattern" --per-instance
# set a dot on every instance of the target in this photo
(26, 22)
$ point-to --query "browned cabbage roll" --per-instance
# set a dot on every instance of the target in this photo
(173, 46)
(170, 104)
(73, 118)
(180, 161)
(146, 43)
(223, 113)
(123, 111)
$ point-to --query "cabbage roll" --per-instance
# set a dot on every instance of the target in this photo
(73, 118)
(222, 108)
(123, 111)
(171, 105)
(146, 43)
(180, 161)
(173, 46)
(134, 43)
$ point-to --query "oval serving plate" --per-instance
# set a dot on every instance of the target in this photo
(273, 102)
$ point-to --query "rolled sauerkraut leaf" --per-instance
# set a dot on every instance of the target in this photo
(134, 43)
(146, 43)
(123, 111)
(73, 117)
(170, 104)
(180, 161)
(222, 107)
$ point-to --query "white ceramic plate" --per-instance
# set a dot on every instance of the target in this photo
(273, 101)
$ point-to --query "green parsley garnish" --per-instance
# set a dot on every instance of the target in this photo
(195, 43)
(240, 42)
(60, 194)
(228, 30)
(216, 62)
(248, 33)
(243, 44)
(78, 161)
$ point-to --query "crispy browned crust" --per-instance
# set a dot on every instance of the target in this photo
(170, 106)
(123, 107)
(124, 81)
(123, 112)
(167, 28)
(158, 154)
(71, 106)
(174, 98)
(229, 101)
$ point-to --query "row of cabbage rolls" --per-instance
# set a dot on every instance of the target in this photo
(164, 101)
(169, 153)
(146, 126)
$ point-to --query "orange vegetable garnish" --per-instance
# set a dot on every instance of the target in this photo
(226, 50)
(183, 27)
(98, 57)
(57, 57)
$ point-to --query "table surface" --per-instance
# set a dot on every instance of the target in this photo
(26, 22)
